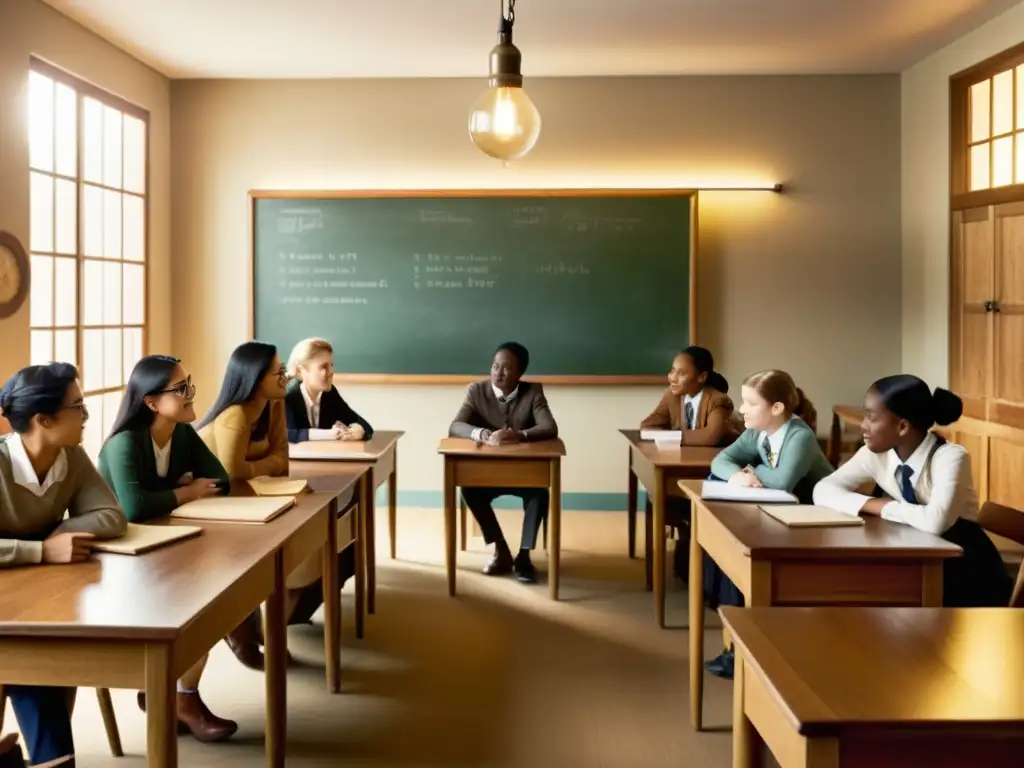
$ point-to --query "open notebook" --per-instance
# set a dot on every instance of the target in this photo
(144, 538)
(809, 516)
(235, 509)
(278, 486)
(714, 490)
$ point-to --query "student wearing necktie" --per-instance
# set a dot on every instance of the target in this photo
(925, 482)
(695, 402)
(778, 450)
(507, 410)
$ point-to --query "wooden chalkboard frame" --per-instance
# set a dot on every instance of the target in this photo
(440, 379)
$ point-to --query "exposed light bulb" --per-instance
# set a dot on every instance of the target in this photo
(503, 122)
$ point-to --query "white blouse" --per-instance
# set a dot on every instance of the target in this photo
(944, 489)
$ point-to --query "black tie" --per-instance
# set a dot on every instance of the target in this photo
(903, 475)
(688, 414)
(503, 404)
(768, 451)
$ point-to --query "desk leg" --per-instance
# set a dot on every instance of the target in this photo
(161, 709)
(696, 597)
(449, 522)
(370, 523)
(555, 527)
(360, 545)
(931, 585)
(746, 746)
(332, 602)
(393, 505)
(658, 565)
(631, 494)
(276, 651)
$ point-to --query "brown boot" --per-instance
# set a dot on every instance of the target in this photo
(203, 724)
(244, 643)
(140, 697)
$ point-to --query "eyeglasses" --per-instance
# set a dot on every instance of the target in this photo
(282, 374)
(80, 407)
(184, 390)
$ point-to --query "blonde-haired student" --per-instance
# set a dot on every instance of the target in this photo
(696, 402)
(778, 450)
(313, 406)
(924, 482)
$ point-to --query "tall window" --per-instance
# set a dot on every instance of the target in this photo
(88, 153)
(996, 133)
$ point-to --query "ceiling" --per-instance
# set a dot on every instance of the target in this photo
(451, 38)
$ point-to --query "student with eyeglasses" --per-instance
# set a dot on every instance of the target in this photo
(52, 502)
(155, 462)
(245, 429)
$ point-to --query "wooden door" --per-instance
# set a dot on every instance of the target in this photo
(972, 291)
(1006, 405)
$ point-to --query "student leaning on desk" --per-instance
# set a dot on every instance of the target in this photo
(44, 473)
(314, 408)
(921, 481)
(501, 411)
(155, 462)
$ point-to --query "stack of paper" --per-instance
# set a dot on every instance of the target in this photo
(662, 435)
(235, 509)
(714, 490)
(278, 486)
(809, 516)
(144, 538)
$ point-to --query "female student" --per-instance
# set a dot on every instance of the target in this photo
(314, 408)
(778, 450)
(155, 461)
(245, 430)
(696, 401)
(44, 473)
(924, 482)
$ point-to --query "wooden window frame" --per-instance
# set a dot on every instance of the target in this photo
(83, 89)
(961, 196)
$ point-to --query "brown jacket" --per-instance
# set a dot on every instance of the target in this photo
(528, 412)
(229, 437)
(715, 425)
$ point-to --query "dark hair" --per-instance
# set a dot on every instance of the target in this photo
(778, 387)
(910, 398)
(704, 362)
(37, 389)
(519, 352)
(149, 376)
(247, 366)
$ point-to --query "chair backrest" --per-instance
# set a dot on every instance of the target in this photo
(1009, 523)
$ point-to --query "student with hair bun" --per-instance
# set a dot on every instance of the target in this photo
(925, 483)
(696, 402)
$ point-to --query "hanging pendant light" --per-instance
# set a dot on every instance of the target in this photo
(503, 122)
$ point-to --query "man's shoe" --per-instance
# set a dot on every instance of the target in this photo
(526, 573)
(723, 665)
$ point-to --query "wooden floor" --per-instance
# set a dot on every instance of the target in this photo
(499, 676)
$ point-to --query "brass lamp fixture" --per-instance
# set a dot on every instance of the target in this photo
(503, 122)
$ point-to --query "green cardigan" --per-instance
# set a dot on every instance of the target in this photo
(801, 462)
(128, 464)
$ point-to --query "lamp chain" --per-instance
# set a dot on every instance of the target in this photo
(511, 12)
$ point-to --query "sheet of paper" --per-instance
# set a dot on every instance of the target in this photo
(809, 516)
(235, 509)
(278, 486)
(145, 538)
(713, 490)
(662, 435)
(330, 450)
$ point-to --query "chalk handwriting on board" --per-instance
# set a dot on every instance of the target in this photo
(580, 221)
(528, 214)
(560, 268)
(441, 216)
(295, 221)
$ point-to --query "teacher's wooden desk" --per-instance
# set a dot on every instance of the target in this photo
(878, 563)
(516, 465)
(878, 687)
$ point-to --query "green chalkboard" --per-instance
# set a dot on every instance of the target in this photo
(598, 285)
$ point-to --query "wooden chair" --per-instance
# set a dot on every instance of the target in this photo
(1009, 523)
(106, 710)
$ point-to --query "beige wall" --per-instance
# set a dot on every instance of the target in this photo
(808, 281)
(27, 28)
(925, 161)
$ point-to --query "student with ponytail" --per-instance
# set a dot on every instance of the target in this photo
(696, 401)
(925, 481)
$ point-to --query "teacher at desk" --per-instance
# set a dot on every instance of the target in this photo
(498, 412)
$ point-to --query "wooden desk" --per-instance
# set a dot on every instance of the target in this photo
(379, 455)
(518, 465)
(841, 415)
(118, 621)
(879, 563)
(659, 471)
(879, 687)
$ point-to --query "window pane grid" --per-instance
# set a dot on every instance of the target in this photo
(88, 158)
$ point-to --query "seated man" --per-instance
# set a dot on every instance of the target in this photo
(500, 411)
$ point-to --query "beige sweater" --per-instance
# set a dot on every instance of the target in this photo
(229, 438)
(26, 519)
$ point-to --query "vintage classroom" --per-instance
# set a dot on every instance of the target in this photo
(854, 270)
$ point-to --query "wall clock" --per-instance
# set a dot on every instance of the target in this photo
(14, 274)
